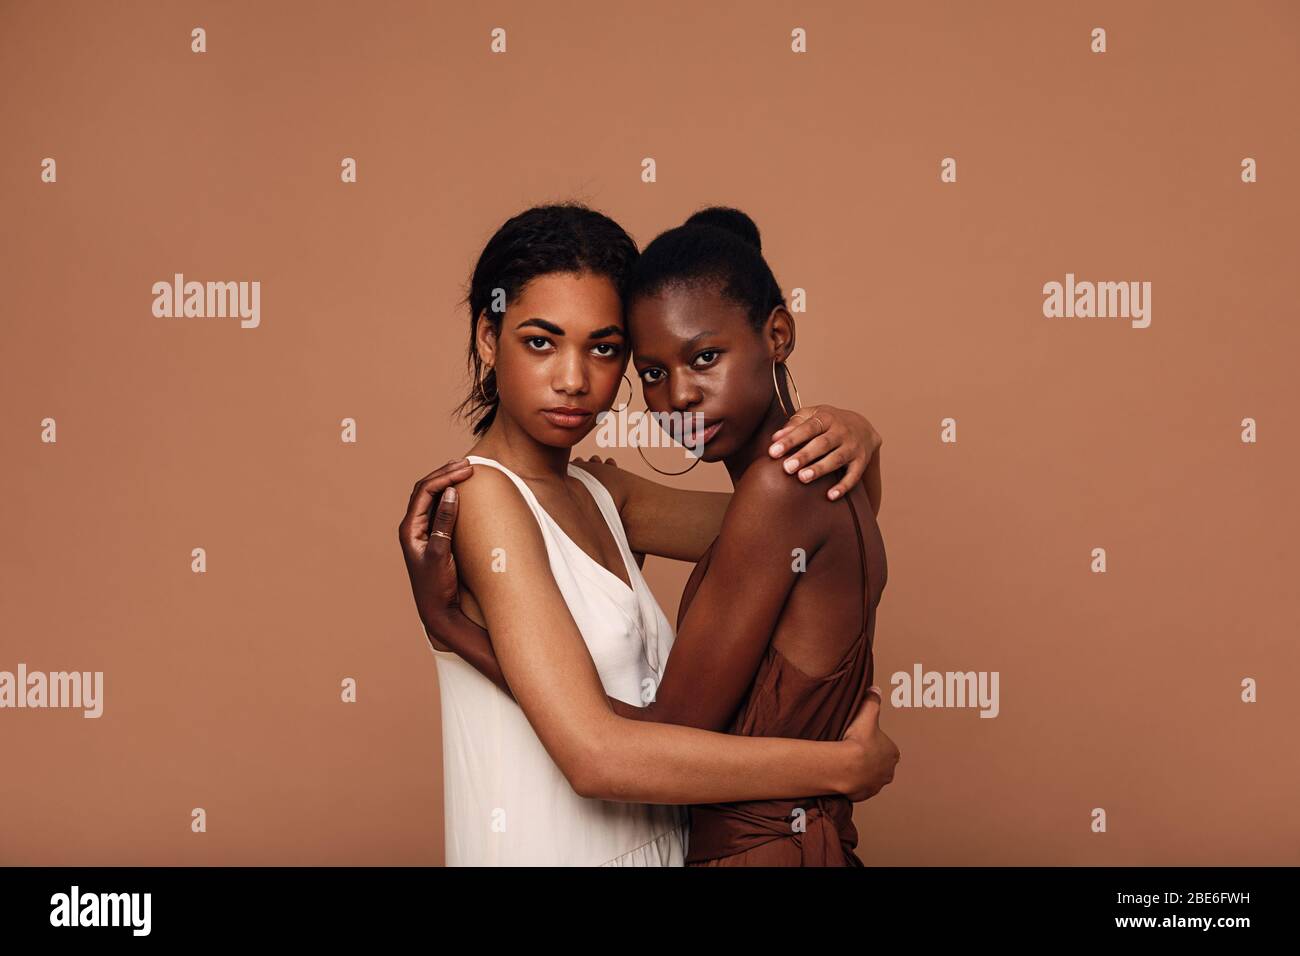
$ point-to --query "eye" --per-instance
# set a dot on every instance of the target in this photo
(536, 338)
(713, 357)
(650, 375)
(613, 346)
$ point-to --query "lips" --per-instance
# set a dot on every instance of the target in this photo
(710, 430)
(699, 437)
(567, 416)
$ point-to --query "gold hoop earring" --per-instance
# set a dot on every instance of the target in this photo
(630, 391)
(790, 376)
(660, 470)
(478, 387)
(698, 459)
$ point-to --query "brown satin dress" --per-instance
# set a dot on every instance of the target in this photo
(812, 830)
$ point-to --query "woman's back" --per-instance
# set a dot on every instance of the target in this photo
(507, 802)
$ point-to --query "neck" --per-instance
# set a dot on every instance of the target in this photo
(755, 447)
(506, 442)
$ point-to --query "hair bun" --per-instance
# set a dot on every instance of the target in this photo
(730, 220)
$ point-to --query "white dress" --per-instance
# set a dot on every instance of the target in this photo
(507, 803)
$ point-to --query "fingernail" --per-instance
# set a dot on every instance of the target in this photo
(873, 689)
(791, 465)
(776, 449)
(833, 494)
(450, 494)
(806, 474)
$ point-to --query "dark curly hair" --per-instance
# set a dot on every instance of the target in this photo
(717, 245)
(561, 237)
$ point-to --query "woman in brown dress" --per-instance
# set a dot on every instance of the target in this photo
(784, 701)
(775, 629)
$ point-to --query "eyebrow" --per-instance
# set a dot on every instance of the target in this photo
(556, 330)
(643, 359)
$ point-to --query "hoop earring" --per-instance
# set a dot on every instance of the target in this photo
(660, 470)
(478, 387)
(790, 376)
(630, 391)
(698, 459)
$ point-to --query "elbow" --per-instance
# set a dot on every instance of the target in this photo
(588, 783)
(585, 785)
(580, 772)
(593, 773)
(575, 757)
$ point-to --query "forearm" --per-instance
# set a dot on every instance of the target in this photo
(671, 522)
(685, 712)
(472, 644)
(662, 763)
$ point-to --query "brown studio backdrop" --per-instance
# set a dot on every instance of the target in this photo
(222, 690)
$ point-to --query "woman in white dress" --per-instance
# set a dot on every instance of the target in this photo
(545, 564)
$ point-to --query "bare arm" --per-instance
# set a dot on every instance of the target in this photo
(660, 519)
(435, 582)
(721, 641)
(544, 660)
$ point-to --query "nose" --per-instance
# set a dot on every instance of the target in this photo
(684, 393)
(570, 373)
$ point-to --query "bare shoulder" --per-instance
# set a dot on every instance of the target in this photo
(765, 491)
(487, 489)
(489, 507)
(766, 483)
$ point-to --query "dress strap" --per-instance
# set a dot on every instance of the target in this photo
(608, 509)
(515, 479)
(530, 499)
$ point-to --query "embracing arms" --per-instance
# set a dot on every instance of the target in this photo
(670, 522)
(546, 664)
(676, 523)
(720, 641)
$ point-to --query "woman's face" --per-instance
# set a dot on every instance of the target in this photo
(696, 352)
(560, 355)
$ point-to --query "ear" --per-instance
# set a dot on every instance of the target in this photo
(485, 337)
(778, 331)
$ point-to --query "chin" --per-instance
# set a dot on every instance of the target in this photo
(553, 437)
(562, 437)
(716, 451)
